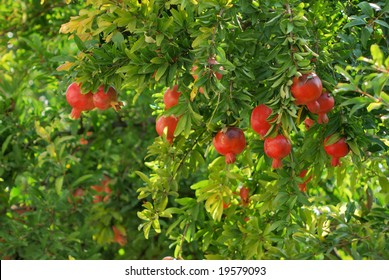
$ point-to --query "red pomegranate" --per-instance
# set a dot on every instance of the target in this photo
(277, 148)
(326, 102)
(213, 61)
(336, 150)
(244, 194)
(169, 122)
(119, 235)
(306, 88)
(259, 119)
(313, 106)
(105, 100)
(170, 98)
(78, 101)
(303, 186)
(229, 142)
(308, 123)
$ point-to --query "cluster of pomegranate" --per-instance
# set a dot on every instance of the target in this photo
(168, 123)
(307, 91)
(85, 102)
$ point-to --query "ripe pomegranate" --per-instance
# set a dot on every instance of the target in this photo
(119, 235)
(326, 102)
(336, 150)
(313, 106)
(170, 122)
(170, 98)
(168, 258)
(213, 61)
(78, 195)
(259, 122)
(306, 88)
(244, 194)
(277, 148)
(303, 186)
(104, 192)
(105, 100)
(78, 101)
(229, 142)
(195, 77)
(308, 123)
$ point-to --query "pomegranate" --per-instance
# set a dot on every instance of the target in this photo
(119, 235)
(308, 123)
(105, 100)
(213, 61)
(229, 142)
(306, 88)
(78, 101)
(313, 106)
(326, 102)
(336, 150)
(77, 196)
(104, 192)
(170, 98)
(259, 122)
(277, 148)
(244, 194)
(303, 186)
(169, 122)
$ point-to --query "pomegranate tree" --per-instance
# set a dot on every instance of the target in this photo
(277, 148)
(170, 98)
(307, 89)
(336, 150)
(78, 101)
(168, 122)
(229, 142)
(259, 119)
(105, 100)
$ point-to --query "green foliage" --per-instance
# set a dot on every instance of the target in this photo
(182, 197)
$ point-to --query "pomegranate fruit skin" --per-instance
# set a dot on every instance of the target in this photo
(327, 103)
(105, 100)
(308, 123)
(170, 98)
(230, 143)
(244, 195)
(78, 101)
(170, 122)
(336, 150)
(306, 88)
(277, 148)
(259, 122)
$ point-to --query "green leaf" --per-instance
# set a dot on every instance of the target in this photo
(161, 71)
(354, 22)
(377, 54)
(59, 184)
(140, 43)
(81, 179)
(80, 44)
(374, 106)
(366, 9)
